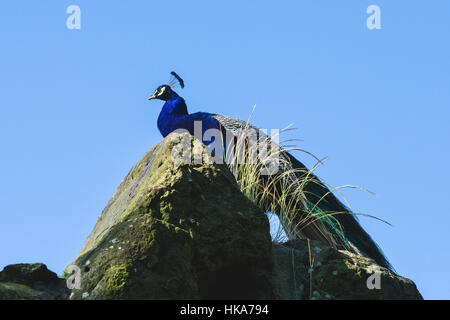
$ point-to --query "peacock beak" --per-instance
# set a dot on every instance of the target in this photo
(151, 97)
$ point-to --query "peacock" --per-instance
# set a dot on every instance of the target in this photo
(279, 182)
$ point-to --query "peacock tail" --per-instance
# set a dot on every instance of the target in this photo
(307, 209)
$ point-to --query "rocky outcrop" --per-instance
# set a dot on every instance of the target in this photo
(310, 270)
(31, 282)
(183, 230)
(177, 231)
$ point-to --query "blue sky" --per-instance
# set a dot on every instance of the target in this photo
(74, 116)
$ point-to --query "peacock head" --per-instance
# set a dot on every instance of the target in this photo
(165, 91)
(162, 93)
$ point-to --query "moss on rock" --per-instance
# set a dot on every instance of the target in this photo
(31, 282)
(323, 273)
(172, 231)
(185, 231)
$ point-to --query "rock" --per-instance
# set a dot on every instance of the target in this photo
(31, 282)
(310, 270)
(185, 231)
(177, 231)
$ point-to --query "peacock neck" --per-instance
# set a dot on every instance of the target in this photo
(173, 110)
(174, 106)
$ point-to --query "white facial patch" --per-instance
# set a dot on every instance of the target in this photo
(161, 91)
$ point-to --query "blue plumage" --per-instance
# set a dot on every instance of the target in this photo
(174, 115)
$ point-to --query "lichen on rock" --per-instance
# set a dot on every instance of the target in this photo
(179, 233)
(178, 227)
(307, 269)
(183, 230)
